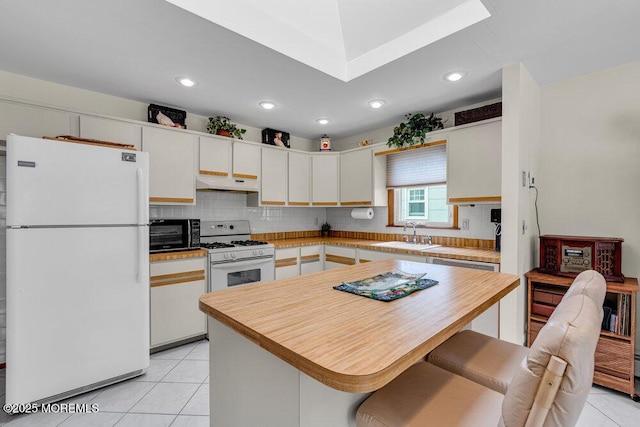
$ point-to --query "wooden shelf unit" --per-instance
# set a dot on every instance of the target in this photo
(614, 358)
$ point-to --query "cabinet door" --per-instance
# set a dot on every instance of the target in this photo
(474, 164)
(325, 179)
(338, 257)
(246, 161)
(311, 259)
(356, 178)
(171, 165)
(299, 179)
(287, 263)
(31, 121)
(365, 255)
(274, 177)
(111, 130)
(215, 156)
(176, 287)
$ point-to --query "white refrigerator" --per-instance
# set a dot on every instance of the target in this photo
(77, 268)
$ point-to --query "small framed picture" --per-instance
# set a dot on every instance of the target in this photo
(275, 137)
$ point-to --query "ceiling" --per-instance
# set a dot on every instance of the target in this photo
(136, 49)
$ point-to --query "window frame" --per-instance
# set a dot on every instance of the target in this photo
(392, 209)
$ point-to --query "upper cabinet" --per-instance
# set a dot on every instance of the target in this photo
(111, 130)
(215, 156)
(274, 177)
(324, 183)
(36, 122)
(171, 165)
(246, 161)
(299, 179)
(474, 163)
(362, 179)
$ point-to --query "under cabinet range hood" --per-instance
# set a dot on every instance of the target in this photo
(227, 183)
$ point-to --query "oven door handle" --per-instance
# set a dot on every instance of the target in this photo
(234, 265)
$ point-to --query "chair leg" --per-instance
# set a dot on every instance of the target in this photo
(547, 391)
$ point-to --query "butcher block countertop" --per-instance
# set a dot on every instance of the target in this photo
(169, 256)
(352, 343)
(469, 254)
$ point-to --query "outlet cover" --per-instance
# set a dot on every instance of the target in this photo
(465, 224)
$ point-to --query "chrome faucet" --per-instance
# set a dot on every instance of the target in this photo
(412, 224)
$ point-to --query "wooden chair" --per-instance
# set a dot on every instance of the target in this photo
(549, 385)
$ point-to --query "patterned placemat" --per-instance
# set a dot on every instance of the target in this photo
(387, 286)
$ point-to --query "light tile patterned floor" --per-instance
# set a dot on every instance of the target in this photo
(175, 392)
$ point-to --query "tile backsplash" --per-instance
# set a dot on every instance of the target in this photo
(227, 205)
(221, 205)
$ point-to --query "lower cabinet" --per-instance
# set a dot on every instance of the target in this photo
(311, 259)
(287, 263)
(365, 255)
(338, 257)
(176, 286)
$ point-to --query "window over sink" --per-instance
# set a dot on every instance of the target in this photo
(417, 182)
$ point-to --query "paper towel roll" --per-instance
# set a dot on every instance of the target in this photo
(362, 213)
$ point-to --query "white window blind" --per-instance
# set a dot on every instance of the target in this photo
(422, 166)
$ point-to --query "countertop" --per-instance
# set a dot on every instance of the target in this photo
(469, 254)
(349, 342)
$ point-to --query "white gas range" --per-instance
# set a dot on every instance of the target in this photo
(235, 259)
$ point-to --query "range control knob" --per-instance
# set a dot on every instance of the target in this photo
(255, 252)
(233, 255)
(261, 252)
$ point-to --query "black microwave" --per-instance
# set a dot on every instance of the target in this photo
(174, 235)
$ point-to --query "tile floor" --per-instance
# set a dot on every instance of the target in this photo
(175, 392)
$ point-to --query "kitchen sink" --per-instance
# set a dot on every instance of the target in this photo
(406, 245)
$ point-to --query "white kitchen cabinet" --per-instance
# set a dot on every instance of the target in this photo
(474, 171)
(171, 165)
(111, 130)
(287, 263)
(299, 179)
(27, 120)
(362, 178)
(246, 161)
(311, 259)
(366, 255)
(215, 156)
(273, 182)
(324, 184)
(176, 287)
(338, 256)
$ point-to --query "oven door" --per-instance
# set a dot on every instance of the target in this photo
(226, 275)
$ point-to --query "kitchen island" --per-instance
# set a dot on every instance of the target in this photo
(296, 352)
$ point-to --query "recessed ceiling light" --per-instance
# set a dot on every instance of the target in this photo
(454, 76)
(377, 103)
(185, 81)
(323, 121)
(267, 105)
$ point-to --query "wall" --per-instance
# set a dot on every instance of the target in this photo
(520, 140)
(40, 92)
(589, 171)
(3, 256)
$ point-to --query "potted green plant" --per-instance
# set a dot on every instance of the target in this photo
(413, 131)
(221, 125)
(325, 229)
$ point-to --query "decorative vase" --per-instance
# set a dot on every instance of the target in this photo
(223, 132)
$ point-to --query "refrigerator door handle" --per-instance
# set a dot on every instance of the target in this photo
(141, 252)
(141, 222)
(141, 197)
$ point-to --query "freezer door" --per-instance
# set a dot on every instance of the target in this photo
(51, 183)
(77, 311)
